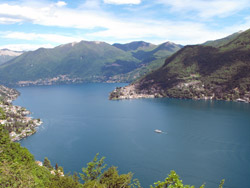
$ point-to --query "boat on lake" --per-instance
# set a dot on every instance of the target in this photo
(158, 131)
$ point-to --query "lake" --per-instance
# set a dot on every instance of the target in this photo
(205, 141)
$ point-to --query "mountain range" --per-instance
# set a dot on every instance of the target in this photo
(6, 55)
(217, 70)
(85, 61)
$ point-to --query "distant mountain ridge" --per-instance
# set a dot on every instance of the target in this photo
(85, 61)
(6, 55)
(136, 45)
(199, 72)
(150, 60)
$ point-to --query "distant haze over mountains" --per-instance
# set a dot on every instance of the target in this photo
(137, 45)
(6, 55)
(85, 61)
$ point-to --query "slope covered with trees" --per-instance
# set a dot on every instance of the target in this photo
(223, 41)
(199, 72)
(84, 61)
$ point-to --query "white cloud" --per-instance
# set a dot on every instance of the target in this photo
(91, 5)
(61, 4)
(121, 2)
(4, 20)
(25, 47)
(114, 29)
(178, 32)
(207, 8)
(55, 38)
(54, 16)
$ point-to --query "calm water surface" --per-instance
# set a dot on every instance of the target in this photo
(205, 141)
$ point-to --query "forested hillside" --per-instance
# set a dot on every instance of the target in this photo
(199, 72)
(84, 61)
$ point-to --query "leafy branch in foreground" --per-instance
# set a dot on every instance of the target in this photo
(173, 181)
(94, 178)
(93, 169)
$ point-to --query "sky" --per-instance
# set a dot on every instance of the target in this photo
(30, 24)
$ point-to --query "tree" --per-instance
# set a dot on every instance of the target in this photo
(93, 169)
(64, 182)
(173, 181)
(47, 163)
(75, 177)
(111, 178)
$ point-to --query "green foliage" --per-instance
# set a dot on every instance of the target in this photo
(60, 168)
(93, 169)
(173, 181)
(86, 61)
(197, 71)
(17, 167)
(47, 163)
(64, 182)
(93, 176)
(111, 178)
(93, 184)
(2, 114)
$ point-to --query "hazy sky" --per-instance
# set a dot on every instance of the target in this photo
(29, 24)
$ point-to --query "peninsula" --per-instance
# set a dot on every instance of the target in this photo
(14, 118)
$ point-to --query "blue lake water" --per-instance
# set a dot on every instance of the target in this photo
(206, 141)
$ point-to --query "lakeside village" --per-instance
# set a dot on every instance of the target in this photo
(16, 121)
(15, 118)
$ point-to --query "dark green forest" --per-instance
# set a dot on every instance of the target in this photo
(203, 72)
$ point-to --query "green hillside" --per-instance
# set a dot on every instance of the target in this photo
(81, 62)
(134, 46)
(84, 60)
(223, 41)
(199, 72)
(150, 60)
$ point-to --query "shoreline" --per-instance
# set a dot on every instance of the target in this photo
(130, 92)
(14, 118)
